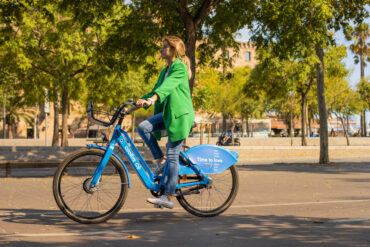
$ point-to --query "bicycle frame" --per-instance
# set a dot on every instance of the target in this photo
(138, 163)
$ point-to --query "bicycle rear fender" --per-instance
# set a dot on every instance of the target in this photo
(115, 155)
(210, 159)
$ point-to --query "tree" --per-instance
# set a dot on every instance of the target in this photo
(251, 107)
(363, 89)
(221, 92)
(56, 54)
(364, 92)
(139, 32)
(281, 79)
(342, 101)
(13, 97)
(360, 48)
(297, 28)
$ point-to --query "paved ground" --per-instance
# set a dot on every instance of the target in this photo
(278, 204)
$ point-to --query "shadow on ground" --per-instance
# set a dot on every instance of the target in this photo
(171, 228)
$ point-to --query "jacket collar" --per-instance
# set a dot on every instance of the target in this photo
(161, 76)
(176, 61)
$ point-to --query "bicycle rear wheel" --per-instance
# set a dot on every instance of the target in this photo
(211, 200)
(72, 192)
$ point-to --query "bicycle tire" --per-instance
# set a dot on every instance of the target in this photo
(198, 205)
(74, 173)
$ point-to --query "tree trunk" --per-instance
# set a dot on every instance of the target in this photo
(232, 131)
(191, 23)
(344, 129)
(324, 140)
(65, 118)
(35, 128)
(217, 128)
(252, 127)
(307, 123)
(224, 123)
(291, 124)
(309, 126)
(190, 52)
(242, 127)
(303, 122)
(248, 126)
(4, 115)
(364, 122)
(55, 141)
(10, 131)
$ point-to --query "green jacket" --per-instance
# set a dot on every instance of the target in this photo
(174, 97)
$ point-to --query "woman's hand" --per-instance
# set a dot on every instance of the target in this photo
(142, 102)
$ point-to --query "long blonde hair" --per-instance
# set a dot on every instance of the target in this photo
(179, 46)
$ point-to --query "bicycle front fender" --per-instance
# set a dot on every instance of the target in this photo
(115, 155)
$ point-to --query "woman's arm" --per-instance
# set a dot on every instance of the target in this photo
(142, 103)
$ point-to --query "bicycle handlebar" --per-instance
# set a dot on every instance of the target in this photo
(90, 113)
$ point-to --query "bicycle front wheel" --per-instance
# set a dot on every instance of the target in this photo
(212, 199)
(72, 192)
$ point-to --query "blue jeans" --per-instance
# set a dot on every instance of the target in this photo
(145, 129)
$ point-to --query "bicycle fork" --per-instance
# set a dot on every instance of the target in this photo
(103, 162)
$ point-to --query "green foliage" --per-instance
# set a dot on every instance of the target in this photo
(334, 65)
(112, 91)
(205, 90)
(294, 28)
(280, 80)
(360, 45)
(218, 93)
(363, 89)
(137, 33)
(340, 98)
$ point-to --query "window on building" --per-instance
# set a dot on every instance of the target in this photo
(248, 56)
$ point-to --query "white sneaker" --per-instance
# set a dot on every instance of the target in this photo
(161, 201)
(159, 169)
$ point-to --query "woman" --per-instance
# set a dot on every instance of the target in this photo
(173, 111)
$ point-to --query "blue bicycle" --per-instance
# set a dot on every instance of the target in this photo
(91, 184)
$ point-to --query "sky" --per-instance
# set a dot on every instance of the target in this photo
(354, 69)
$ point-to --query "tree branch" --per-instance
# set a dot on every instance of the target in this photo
(82, 69)
(309, 85)
(43, 69)
(183, 11)
(207, 7)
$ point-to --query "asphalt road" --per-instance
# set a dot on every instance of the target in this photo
(278, 204)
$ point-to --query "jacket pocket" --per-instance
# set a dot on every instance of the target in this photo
(180, 114)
